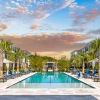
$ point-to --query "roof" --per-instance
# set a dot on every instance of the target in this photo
(94, 60)
(50, 62)
(74, 51)
(7, 61)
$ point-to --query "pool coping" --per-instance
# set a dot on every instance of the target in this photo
(48, 91)
(92, 86)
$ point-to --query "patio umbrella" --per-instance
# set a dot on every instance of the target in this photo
(93, 62)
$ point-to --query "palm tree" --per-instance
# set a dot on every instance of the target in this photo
(76, 61)
(83, 56)
(18, 54)
(5, 47)
(24, 55)
(95, 47)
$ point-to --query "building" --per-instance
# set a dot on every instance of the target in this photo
(50, 66)
(84, 49)
(8, 59)
(75, 52)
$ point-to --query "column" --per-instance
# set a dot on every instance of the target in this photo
(1, 63)
(13, 67)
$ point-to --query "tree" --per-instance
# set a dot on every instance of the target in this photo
(83, 56)
(76, 61)
(18, 54)
(63, 63)
(80, 60)
(6, 46)
(95, 47)
(37, 62)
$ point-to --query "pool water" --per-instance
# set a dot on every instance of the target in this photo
(50, 80)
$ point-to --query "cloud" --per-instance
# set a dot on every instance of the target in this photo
(34, 26)
(98, 1)
(56, 42)
(75, 29)
(80, 22)
(82, 19)
(45, 9)
(40, 13)
(67, 3)
(48, 25)
(95, 31)
(3, 27)
(19, 8)
(93, 13)
(9, 15)
(75, 6)
(35, 9)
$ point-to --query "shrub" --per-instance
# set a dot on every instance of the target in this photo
(4, 67)
(20, 68)
(96, 66)
(15, 68)
(10, 68)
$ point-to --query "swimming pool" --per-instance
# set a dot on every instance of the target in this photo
(50, 80)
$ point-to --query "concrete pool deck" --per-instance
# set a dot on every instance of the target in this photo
(95, 92)
(88, 81)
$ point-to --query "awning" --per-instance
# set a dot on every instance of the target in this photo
(94, 60)
(50, 62)
(7, 61)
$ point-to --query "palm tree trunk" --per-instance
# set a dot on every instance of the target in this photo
(1, 63)
(74, 67)
(83, 67)
(99, 64)
(18, 65)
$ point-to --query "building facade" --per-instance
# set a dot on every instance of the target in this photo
(8, 58)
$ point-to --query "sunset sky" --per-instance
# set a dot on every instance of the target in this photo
(50, 27)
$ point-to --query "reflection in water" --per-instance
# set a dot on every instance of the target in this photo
(50, 80)
(50, 85)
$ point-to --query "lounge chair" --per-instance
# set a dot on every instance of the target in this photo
(74, 72)
(3, 78)
(96, 78)
(19, 74)
(78, 73)
(30, 70)
(23, 72)
(8, 76)
(12, 75)
(93, 74)
(86, 74)
(15, 74)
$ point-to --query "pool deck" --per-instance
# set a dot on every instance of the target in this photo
(95, 92)
(88, 81)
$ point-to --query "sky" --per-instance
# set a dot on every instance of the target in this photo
(50, 27)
